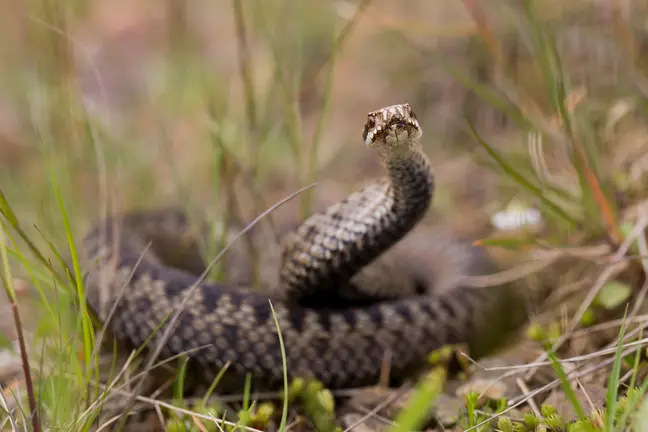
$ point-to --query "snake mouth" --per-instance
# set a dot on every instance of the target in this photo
(397, 123)
(398, 132)
(391, 130)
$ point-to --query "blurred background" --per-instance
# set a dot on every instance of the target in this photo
(138, 104)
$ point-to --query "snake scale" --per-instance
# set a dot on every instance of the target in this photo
(325, 257)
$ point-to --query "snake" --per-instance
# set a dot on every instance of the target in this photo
(340, 316)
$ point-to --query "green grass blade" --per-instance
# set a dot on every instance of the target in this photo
(284, 411)
(520, 179)
(88, 334)
(613, 380)
(417, 409)
(567, 387)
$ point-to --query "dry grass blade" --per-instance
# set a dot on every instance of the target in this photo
(604, 276)
(525, 392)
(513, 403)
(379, 407)
(512, 370)
(170, 407)
(106, 391)
(574, 359)
(5, 406)
(542, 260)
(597, 191)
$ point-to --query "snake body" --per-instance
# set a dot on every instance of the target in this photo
(330, 255)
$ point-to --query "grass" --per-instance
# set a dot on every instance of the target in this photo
(247, 140)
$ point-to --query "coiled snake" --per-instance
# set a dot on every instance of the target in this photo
(325, 257)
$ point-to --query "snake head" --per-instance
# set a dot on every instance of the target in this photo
(392, 125)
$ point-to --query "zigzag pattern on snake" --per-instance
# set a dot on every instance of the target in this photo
(334, 254)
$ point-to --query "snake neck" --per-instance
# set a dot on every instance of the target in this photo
(333, 246)
(411, 188)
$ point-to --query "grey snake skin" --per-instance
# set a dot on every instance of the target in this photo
(342, 314)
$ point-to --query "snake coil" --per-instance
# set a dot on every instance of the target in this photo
(323, 258)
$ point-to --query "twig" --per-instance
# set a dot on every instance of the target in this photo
(7, 282)
(525, 391)
(25, 365)
(593, 408)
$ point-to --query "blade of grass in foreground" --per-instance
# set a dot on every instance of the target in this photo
(567, 388)
(415, 412)
(284, 412)
(86, 323)
(244, 416)
(10, 216)
(613, 380)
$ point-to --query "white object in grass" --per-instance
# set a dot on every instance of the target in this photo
(515, 217)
